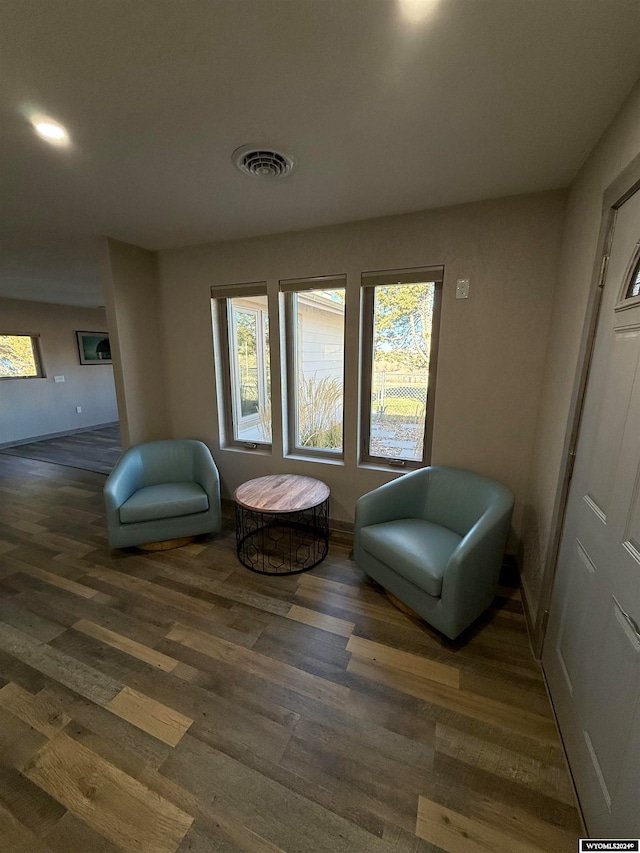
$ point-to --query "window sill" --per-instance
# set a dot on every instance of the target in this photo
(254, 451)
(13, 378)
(385, 466)
(322, 460)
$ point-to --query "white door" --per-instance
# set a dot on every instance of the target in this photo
(591, 653)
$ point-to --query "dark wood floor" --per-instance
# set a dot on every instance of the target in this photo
(175, 701)
(93, 450)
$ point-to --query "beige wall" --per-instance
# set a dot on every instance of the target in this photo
(131, 292)
(492, 346)
(36, 407)
(617, 147)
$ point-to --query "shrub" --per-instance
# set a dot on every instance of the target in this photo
(319, 413)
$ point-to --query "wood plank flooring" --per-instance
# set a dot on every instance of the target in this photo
(94, 450)
(174, 701)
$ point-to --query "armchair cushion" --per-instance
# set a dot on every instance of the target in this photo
(168, 500)
(418, 550)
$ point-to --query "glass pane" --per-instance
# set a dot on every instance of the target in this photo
(251, 384)
(403, 318)
(634, 285)
(247, 344)
(319, 368)
(17, 357)
(267, 360)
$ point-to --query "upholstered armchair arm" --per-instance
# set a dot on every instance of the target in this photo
(473, 570)
(205, 472)
(123, 481)
(400, 498)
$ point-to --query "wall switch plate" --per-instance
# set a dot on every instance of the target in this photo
(79, 409)
(58, 378)
(462, 288)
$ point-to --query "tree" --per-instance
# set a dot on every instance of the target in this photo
(16, 356)
(246, 349)
(403, 319)
(246, 334)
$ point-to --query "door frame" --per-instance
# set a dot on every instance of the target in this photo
(620, 189)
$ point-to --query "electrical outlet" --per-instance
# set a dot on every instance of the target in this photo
(79, 409)
(58, 378)
(462, 288)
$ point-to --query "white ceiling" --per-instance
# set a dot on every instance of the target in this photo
(484, 98)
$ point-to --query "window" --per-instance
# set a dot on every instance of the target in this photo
(19, 357)
(400, 321)
(244, 363)
(314, 317)
(633, 290)
(249, 338)
(401, 312)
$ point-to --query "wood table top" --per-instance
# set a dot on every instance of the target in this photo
(282, 493)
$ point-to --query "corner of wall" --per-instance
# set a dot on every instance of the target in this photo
(106, 272)
(130, 277)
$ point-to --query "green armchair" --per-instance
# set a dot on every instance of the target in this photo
(435, 539)
(162, 490)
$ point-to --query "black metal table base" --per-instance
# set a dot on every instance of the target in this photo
(282, 543)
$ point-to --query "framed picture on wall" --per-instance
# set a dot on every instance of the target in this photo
(94, 347)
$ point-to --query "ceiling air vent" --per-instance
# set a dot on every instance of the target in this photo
(261, 162)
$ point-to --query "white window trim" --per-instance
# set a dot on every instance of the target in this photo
(259, 315)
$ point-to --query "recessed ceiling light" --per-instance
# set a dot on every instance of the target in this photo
(417, 11)
(51, 131)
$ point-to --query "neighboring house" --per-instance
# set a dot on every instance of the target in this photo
(319, 355)
(321, 335)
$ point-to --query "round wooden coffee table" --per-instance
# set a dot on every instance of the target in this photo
(282, 524)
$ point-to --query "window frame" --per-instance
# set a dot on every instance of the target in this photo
(228, 395)
(37, 355)
(369, 282)
(288, 289)
(258, 316)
